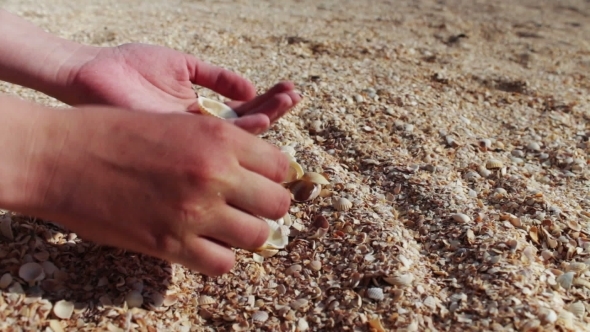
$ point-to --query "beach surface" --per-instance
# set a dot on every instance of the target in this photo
(458, 130)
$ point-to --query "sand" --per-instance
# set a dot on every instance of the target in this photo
(459, 130)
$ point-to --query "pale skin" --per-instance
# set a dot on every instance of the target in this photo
(130, 165)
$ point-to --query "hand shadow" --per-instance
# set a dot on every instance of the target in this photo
(95, 278)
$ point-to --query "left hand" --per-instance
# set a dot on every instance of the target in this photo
(158, 79)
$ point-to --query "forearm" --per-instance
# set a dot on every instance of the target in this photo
(34, 58)
(24, 138)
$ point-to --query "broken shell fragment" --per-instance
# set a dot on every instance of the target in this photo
(215, 108)
(403, 280)
(295, 172)
(303, 191)
(460, 217)
(206, 300)
(63, 309)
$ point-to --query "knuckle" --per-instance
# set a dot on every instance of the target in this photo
(282, 167)
(221, 131)
(281, 204)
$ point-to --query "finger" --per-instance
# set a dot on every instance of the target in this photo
(259, 196)
(261, 157)
(237, 229)
(278, 88)
(278, 106)
(222, 81)
(206, 256)
(254, 124)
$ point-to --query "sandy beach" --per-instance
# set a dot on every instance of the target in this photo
(459, 131)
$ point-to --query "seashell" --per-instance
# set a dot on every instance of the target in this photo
(215, 108)
(206, 300)
(573, 225)
(5, 280)
(547, 316)
(288, 150)
(260, 316)
(321, 222)
(63, 309)
(484, 172)
(56, 326)
(302, 325)
(278, 237)
(292, 269)
(31, 272)
(267, 253)
(241, 327)
(303, 191)
(314, 265)
(298, 304)
(534, 146)
(402, 280)
(341, 204)
(577, 308)
(494, 164)
(316, 178)
(295, 172)
(472, 176)
(460, 217)
(375, 293)
(430, 302)
(49, 268)
(134, 299)
(170, 300)
(287, 220)
(566, 279)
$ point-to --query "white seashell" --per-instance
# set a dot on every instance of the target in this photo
(577, 308)
(31, 272)
(134, 299)
(375, 293)
(315, 265)
(292, 269)
(55, 326)
(5, 280)
(206, 300)
(302, 325)
(566, 279)
(288, 150)
(547, 316)
(484, 172)
(316, 178)
(402, 280)
(215, 108)
(63, 309)
(278, 238)
(534, 146)
(460, 217)
(430, 302)
(258, 258)
(170, 300)
(494, 164)
(260, 316)
(295, 172)
(341, 204)
(472, 176)
(298, 304)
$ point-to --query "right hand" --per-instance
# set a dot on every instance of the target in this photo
(176, 186)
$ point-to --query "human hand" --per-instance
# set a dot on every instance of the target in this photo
(176, 186)
(158, 79)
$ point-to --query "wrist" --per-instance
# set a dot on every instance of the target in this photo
(37, 59)
(29, 140)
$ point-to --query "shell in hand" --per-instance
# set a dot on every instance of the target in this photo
(215, 108)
